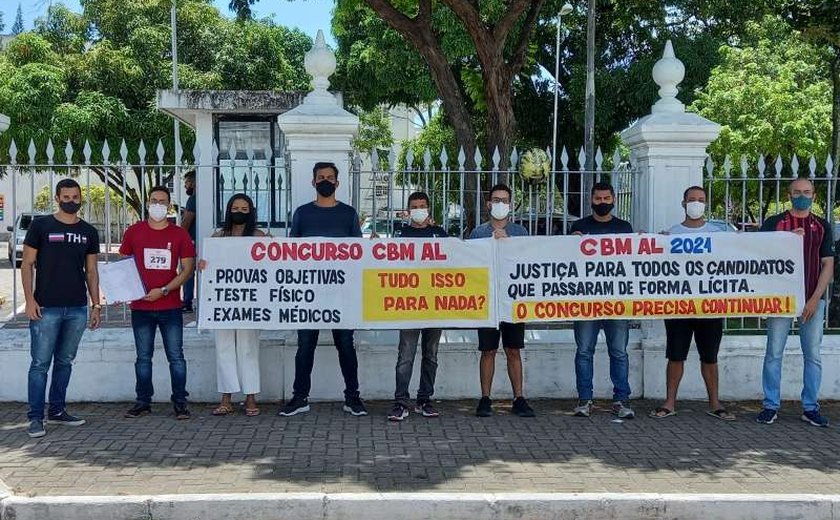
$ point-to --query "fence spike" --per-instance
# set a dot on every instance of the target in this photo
(106, 152)
(427, 159)
(564, 160)
(599, 159)
(196, 152)
(86, 151)
(444, 158)
(409, 158)
(727, 166)
(374, 159)
(616, 160)
(744, 166)
(232, 151)
(13, 150)
(514, 158)
(50, 151)
(582, 159)
(68, 153)
(123, 152)
(710, 166)
(214, 153)
(462, 157)
(249, 154)
(268, 153)
(779, 165)
(32, 151)
(392, 158)
(497, 158)
(257, 181)
(141, 152)
(794, 165)
(159, 151)
(812, 166)
(179, 152)
(829, 166)
(478, 158)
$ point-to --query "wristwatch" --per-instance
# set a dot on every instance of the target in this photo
(164, 290)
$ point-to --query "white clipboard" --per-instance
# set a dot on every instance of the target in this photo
(120, 281)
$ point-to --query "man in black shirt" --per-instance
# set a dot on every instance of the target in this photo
(64, 248)
(325, 217)
(616, 331)
(420, 226)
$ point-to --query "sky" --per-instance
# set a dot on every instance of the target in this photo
(307, 15)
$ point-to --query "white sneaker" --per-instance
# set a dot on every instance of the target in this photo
(584, 409)
(623, 412)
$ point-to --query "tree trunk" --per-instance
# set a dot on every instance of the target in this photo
(835, 122)
(589, 124)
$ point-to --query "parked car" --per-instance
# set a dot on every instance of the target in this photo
(383, 227)
(17, 233)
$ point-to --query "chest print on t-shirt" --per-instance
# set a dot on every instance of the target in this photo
(158, 259)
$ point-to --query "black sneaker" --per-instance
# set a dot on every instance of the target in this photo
(138, 410)
(521, 408)
(484, 408)
(65, 419)
(187, 308)
(426, 409)
(354, 406)
(767, 416)
(181, 411)
(295, 406)
(815, 418)
(397, 413)
(36, 429)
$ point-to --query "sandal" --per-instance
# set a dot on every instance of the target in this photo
(222, 409)
(721, 414)
(252, 412)
(661, 413)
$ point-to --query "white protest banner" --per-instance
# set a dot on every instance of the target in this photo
(645, 276)
(320, 283)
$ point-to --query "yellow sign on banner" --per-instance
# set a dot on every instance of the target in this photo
(426, 294)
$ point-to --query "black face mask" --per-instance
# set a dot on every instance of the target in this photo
(190, 191)
(325, 188)
(603, 209)
(239, 218)
(70, 207)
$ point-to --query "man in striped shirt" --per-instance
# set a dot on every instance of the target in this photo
(818, 246)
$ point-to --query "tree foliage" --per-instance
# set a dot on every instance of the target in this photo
(17, 26)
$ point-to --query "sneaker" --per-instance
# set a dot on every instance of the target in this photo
(521, 408)
(767, 416)
(815, 418)
(181, 411)
(187, 308)
(484, 408)
(65, 419)
(426, 409)
(139, 409)
(623, 412)
(584, 409)
(398, 413)
(354, 406)
(295, 406)
(36, 429)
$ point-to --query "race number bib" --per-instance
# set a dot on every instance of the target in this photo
(157, 259)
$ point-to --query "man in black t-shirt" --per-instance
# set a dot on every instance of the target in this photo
(325, 217)
(616, 331)
(420, 226)
(64, 248)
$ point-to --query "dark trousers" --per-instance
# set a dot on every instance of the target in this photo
(305, 360)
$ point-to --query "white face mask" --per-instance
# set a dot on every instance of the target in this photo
(695, 209)
(419, 215)
(499, 210)
(158, 212)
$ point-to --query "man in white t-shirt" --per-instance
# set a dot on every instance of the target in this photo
(707, 332)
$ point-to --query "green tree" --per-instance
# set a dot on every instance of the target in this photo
(374, 131)
(17, 27)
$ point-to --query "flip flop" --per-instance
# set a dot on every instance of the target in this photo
(661, 413)
(721, 414)
(252, 412)
(222, 410)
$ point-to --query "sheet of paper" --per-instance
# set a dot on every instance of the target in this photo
(120, 281)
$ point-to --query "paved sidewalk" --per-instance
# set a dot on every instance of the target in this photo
(329, 451)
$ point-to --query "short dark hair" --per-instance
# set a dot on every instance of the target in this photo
(602, 186)
(162, 189)
(190, 175)
(418, 195)
(66, 184)
(321, 166)
(499, 187)
(692, 188)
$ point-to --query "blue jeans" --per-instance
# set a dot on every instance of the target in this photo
(586, 336)
(305, 360)
(406, 352)
(810, 337)
(54, 339)
(171, 325)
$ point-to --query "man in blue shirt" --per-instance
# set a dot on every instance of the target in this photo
(325, 217)
(512, 334)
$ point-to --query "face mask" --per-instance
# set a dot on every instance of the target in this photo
(801, 203)
(190, 191)
(499, 210)
(70, 207)
(239, 218)
(603, 209)
(158, 212)
(419, 215)
(325, 188)
(695, 209)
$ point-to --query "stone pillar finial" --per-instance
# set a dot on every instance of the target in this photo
(668, 72)
(319, 62)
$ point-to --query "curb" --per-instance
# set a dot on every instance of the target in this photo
(417, 506)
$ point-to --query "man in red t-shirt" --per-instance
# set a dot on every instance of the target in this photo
(159, 248)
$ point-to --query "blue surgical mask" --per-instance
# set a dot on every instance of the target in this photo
(801, 203)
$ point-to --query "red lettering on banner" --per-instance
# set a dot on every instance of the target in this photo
(431, 251)
(448, 280)
(399, 280)
(587, 246)
(648, 246)
(607, 246)
(406, 303)
(393, 251)
(459, 303)
(258, 251)
(664, 307)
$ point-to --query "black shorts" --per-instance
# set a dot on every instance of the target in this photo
(512, 335)
(707, 334)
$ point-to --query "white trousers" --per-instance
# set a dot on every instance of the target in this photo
(238, 361)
